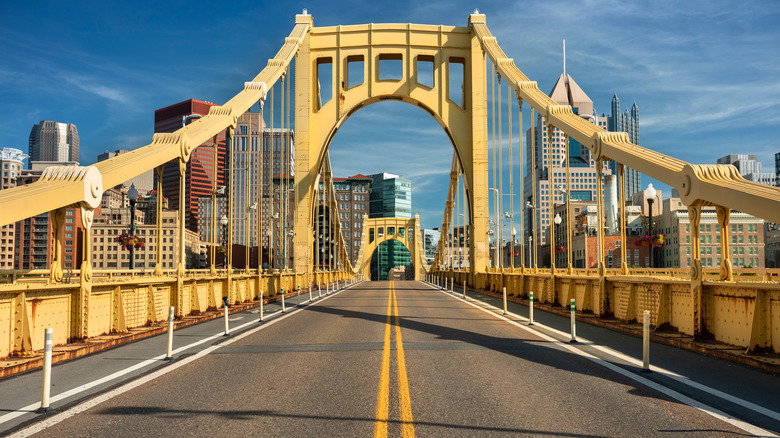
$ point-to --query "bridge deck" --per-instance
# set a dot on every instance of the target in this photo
(320, 369)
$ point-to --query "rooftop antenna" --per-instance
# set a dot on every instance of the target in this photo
(564, 61)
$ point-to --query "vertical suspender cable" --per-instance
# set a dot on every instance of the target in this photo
(534, 208)
(521, 178)
(464, 232)
(568, 205)
(500, 200)
(283, 176)
(260, 188)
(271, 152)
(288, 168)
(548, 129)
(622, 178)
(247, 162)
(495, 219)
(511, 181)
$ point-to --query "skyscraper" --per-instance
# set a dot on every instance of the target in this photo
(777, 169)
(54, 141)
(11, 165)
(626, 122)
(749, 167)
(551, 158)
(390, 196)
(199, 170)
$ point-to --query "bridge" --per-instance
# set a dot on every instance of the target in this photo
(333, 72)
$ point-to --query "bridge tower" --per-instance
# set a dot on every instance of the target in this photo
(337, 49)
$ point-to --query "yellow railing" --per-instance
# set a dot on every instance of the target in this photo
(670, 299)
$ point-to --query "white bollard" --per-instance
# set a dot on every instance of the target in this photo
(319, 289)
(646, 342)
(262, 298)
(504, 300)
(310, 292)
(531, 308)
(573, 326)
(327, 287)
(299, 295)
(284, 309)
(227, 323)
(169, 351)
(46, 390)
(464, 290)
(452, 285)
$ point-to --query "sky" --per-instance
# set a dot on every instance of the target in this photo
(704, 74)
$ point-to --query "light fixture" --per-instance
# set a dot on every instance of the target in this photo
(558, 219)
(650, 192)
(132, 194)
(224, 221)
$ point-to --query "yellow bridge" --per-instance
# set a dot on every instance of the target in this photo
(732, 308)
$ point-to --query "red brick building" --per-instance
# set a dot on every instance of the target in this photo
(199, 173)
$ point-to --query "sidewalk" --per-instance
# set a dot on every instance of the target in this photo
(100, 367)
(12, 366)
(769, 363)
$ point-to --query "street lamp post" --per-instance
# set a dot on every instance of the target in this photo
(132, 194)
(496, 239)
(557, 221)
(531, 249)
(224, 222)
(650, 196)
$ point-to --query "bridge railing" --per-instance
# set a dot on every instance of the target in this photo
(734, 313)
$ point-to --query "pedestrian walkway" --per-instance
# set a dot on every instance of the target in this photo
(76, 380)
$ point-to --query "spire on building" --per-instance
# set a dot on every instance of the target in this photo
(567, 92)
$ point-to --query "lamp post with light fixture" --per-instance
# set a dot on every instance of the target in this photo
(224, 222)
(132, 195)
(650, 196)
(553, 244)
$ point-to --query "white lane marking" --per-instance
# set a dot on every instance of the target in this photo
(747, 427)
(668, 373)
(34, 406)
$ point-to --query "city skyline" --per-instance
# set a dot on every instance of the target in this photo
(109, 85)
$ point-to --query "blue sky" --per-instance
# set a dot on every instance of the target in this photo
(705, 74)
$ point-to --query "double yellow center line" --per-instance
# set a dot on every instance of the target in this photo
(383, 397)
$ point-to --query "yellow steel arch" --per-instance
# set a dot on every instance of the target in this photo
(367, 47)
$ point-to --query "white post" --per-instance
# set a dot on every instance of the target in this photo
(573, 326)
(531, 308)
(283, 308)
(227, 324)
(504, 300)
(299, 295)
(464, 290)
(46, 391)
(262, 298)
(319, 289)
(646, 342)
(169, 351)
(310, 292)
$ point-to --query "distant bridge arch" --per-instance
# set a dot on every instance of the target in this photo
(387, 229)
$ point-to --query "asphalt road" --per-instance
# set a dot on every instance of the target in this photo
(404, 359)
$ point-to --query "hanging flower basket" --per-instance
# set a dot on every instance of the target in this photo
(129, 241)
(559, 249)
(221, 249)
(655, 240)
